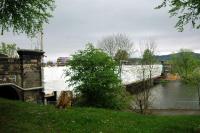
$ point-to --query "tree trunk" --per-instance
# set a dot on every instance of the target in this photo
(143, 79)
(199, 94)
(120, 69)
(150, 79)
(140, 104)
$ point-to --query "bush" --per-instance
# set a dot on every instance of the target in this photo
(94, 75)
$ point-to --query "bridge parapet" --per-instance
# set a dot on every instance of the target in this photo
(134, 73)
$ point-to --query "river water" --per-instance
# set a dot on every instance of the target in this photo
(174, 95)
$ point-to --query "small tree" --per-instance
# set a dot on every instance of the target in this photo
(121, 55)
(149, 60)
(142, 99)
(9, 49)
(93, 73)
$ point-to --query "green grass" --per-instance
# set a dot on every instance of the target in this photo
(20, 117)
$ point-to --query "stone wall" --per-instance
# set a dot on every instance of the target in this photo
(36, 96)
(10, 71)
(25, 73)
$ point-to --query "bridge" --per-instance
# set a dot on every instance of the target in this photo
(134, 73)
(21, 78)
(55, 80)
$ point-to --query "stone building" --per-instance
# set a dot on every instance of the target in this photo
(21, 78)
(62, 61)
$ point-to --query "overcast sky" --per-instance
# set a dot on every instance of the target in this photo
(77, 22)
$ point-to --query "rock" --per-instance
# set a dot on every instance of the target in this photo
(65, 99)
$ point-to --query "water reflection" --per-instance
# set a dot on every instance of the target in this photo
(174, 95)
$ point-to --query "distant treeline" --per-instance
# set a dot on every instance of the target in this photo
(158, 57)
(168, 57)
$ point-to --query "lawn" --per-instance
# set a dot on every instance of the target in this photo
(20, 117)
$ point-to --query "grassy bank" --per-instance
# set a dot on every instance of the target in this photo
(19, 117)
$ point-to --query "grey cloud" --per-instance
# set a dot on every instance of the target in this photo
(77, 22)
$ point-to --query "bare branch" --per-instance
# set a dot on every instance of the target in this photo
(111, 44)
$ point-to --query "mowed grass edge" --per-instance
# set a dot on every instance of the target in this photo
(21, 117)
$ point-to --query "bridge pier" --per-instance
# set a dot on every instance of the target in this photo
(137, 87)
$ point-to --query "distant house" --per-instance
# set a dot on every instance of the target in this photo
(62, 61)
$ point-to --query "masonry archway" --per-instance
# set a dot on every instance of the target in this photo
(9, 92)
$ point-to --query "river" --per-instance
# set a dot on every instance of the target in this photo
(174, 95)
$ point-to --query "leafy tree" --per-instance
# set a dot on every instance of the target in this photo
(93, 73)
(187, 66)
(184, 63)
(25, 16)
(121, 55)
(148, 57)
(9, 49)
(188, 11)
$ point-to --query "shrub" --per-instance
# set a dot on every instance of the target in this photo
(94, 77)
